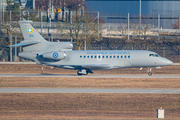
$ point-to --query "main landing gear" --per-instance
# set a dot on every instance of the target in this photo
(149, 71)
(84, 72)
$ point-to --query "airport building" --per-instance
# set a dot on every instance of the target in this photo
(165, 8)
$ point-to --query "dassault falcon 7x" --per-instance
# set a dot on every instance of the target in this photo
(60, 54)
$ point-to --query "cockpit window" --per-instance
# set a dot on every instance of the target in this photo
(151, 55)
(156, 55)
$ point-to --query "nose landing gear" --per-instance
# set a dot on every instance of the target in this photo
(149, 71)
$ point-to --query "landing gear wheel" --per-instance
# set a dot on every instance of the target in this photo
(78, 73)
(82, 72)
(149, 73)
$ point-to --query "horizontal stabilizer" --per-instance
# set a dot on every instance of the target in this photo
(25, 44)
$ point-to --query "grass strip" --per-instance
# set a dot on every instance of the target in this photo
(88, 106)
(69, 82)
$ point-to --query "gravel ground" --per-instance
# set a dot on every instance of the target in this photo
(88, 106)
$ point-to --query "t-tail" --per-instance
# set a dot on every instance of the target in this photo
(34, 44)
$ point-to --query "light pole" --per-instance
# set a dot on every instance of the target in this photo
(128, 26)
(50, 12)
(98, 23)
(139, 19)
(19, 12)
(1, 10)
(49, 19)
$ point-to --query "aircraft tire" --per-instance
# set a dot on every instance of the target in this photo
(81, 73)
(149, 73)
(78, 74)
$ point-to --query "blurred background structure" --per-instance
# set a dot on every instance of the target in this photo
(164, 8)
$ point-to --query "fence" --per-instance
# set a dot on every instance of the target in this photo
(115, 24)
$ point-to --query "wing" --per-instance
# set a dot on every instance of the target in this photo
(87, 66)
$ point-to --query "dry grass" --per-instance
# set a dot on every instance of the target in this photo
(69, 82)
(36, 69)
(86, 106)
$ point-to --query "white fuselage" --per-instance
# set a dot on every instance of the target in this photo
(107, 59)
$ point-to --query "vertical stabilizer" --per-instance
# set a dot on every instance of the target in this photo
(29, 33)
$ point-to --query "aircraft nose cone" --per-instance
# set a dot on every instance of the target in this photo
(169, 62)
(165, 62)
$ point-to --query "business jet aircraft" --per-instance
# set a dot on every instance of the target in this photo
(60, 54)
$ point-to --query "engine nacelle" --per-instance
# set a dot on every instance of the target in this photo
(59, 55)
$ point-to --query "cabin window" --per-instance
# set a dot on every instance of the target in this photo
(114, 56)
(103, 56)
(117, 56)
(99, 56)
(106, 56)
(84, 56)
(124, 56)
(128, 56)
(81, 56)
(87, 56)
(95, 56)
(121, 56)
(110, 56)
(91, 56)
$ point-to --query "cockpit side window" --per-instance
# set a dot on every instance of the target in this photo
(156, 55)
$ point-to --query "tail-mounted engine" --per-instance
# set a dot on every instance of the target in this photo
(59, 55)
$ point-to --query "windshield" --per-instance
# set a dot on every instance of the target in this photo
(153, 55)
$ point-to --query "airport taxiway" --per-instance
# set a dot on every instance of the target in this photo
(89, 90)
(85, 90)
(90, 76)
